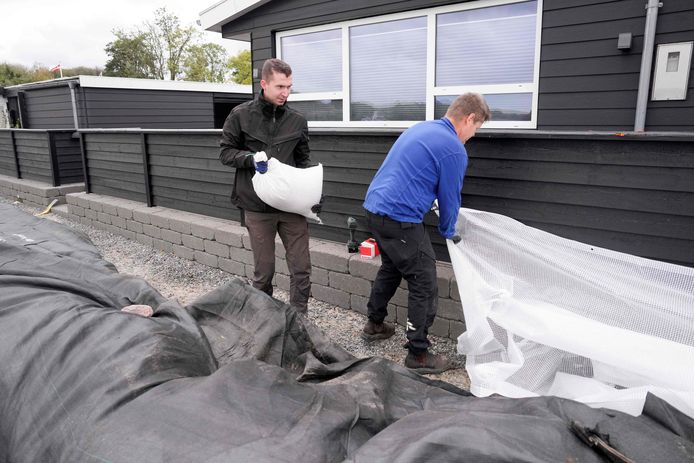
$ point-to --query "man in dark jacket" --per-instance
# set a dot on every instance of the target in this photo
(426, 163)
(253, 132)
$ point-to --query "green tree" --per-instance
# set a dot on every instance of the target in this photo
(169, 42)
(240, 65)
(13, 74)
(129, 56)
(205, 63)
(156, 50)
(82, 71)
(40, 72)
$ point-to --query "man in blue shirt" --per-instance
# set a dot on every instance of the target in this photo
(426, 163)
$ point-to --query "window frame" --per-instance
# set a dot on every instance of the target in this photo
(431, 90)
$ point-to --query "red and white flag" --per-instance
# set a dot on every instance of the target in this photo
(55, 69)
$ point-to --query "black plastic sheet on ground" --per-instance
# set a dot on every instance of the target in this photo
(238, 376)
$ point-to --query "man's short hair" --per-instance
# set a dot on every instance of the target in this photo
(275, 65)
(469, 103)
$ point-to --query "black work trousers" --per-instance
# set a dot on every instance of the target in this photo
(406, 252)
(293, 230)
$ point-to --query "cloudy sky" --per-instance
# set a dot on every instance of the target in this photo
(75, 32)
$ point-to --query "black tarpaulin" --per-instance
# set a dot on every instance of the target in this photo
(238, 376)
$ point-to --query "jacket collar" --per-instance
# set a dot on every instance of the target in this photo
(268, 108)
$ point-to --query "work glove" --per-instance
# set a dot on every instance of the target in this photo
(317, 208)
(260, 162)
(456, 239)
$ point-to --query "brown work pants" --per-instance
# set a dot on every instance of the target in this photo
(293, 230)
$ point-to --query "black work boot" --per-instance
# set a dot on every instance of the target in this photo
(375, 331)
(427, 363)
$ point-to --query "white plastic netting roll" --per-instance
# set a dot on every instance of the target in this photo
(551, 316)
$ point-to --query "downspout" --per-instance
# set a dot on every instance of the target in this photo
(72, 84)
(646, 64)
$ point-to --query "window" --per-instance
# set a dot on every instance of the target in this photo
(395, 70)
(388, 69)
(316, 60)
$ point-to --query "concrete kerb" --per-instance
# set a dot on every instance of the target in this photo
(338, 278)
(36, 192)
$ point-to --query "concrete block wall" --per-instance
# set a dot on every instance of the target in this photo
(338, 278)
(35, 193)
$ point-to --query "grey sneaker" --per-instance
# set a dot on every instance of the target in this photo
(427, 363)
(375, 331)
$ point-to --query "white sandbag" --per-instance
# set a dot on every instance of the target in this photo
(290, 189)
(550, 316)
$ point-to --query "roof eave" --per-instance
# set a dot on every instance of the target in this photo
(225, 11)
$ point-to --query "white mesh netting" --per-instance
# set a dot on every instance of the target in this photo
(551, 316)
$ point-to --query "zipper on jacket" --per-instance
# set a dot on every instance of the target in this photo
(274, 129)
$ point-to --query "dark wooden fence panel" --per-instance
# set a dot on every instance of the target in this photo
(8, 165)
(186, 174)
(631, 194)
(114, 164)
(33, 155)
(349, 164)
(69, 157)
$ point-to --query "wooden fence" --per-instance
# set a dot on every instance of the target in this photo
(49, 156)
(631, 193)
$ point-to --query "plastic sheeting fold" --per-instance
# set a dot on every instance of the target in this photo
(551, 316)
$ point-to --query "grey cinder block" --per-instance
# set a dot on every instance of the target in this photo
(364, 268)
(193, 242)
(331, 295)
(440, 327)
(233, 267)
(207, 259)
(171, 236)
(450, 309)
(350, 283)
(218, 249)
(151, 230)
(331, 256)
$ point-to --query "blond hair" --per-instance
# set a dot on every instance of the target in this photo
(469, 103)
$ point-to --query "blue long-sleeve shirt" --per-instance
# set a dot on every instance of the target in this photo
(427, 162)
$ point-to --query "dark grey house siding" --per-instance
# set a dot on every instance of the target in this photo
(586, 83)
(48, 105)
(48, 108)
(149, 109)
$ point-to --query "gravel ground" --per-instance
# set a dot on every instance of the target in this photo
(184, 280)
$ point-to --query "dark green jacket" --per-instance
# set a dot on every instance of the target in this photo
(261, 126)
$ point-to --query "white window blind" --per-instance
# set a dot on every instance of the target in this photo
(388, 70)
(494, 45)
(316, 61)
(393, 70)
